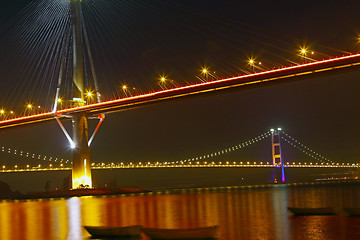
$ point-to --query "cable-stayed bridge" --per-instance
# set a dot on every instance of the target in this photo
(80, 111)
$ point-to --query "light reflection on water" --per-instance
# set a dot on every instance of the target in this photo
(247, 214)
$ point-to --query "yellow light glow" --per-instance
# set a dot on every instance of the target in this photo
(124, 87)
(2, 111)
(59, 100)
(29, 106)
(82, 181)
(251, 61)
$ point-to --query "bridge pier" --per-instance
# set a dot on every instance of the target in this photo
(81, 168)
(278, 169)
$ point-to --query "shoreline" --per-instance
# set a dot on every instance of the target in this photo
(133, 191)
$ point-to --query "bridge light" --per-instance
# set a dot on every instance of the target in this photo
(59, 100)
(29, 106)
(251, 61)
(204, 70)
(279, 129)
(89, 94)
(303, 51)
(271, 130)
(162, 78)
(124, 87)
(2, 111)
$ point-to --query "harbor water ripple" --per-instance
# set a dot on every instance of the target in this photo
(250, 214)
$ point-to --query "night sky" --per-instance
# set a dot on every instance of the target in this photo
(177, 38)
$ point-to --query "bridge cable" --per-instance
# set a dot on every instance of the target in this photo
(305, 149)
(227, 150)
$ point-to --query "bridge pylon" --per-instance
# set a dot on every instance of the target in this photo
(278, 169)
(79, 142)
(81, 167)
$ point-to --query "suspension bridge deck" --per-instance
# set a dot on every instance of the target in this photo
(207, 165)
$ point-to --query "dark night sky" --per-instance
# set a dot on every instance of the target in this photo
(177, 38)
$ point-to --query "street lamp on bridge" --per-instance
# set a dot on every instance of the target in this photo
(205, 72)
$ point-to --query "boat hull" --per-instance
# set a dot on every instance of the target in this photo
(190, 233)
(130, 231)
(312, 211)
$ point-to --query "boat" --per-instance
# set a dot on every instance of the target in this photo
(312, 211)
(352, 212)
(186, 233)
(130, 231)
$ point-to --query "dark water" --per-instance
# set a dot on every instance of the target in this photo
(244, 214)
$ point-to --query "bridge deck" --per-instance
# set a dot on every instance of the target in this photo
(276, 76)
(144, 166)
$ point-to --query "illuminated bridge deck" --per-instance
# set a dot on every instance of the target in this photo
(276, 76)
(152, 166)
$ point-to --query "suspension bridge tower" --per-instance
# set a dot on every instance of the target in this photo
(81, 171)
(278, 170)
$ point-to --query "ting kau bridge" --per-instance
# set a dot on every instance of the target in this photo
(79, 113)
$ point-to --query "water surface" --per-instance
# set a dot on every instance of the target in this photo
(243, 214)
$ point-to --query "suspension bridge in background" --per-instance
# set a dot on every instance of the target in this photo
(278, 164)
(80, 111)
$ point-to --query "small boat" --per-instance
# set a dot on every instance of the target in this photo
(187, 233)
(312, 211)
(352, 212)
(130, 231)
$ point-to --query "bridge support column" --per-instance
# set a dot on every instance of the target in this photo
(81, 169)
(278, 169)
